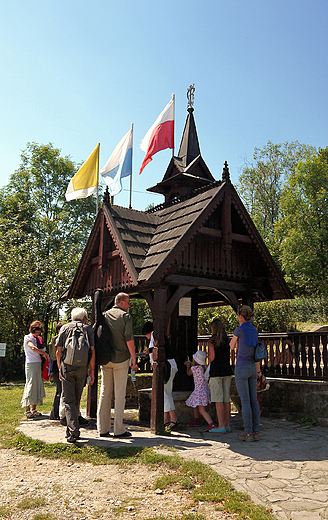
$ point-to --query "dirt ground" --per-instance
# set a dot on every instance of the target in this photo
(41, 489)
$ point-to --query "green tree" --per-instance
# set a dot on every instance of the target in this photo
(261, 182)
(41, 239)
(303, 226)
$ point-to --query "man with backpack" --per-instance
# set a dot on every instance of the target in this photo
(75, 351)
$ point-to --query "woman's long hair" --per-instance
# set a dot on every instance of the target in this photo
(218, 331)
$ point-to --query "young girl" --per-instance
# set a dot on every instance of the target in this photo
(201, 396)
(220, 375)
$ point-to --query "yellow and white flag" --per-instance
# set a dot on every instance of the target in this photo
(85, 181)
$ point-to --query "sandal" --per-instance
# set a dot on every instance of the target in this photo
(209, 427)
(28, 415)
(35, 413)
(173, 424)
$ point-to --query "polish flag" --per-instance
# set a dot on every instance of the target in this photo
(160, 135)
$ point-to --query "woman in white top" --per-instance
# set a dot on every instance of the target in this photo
(34, 389)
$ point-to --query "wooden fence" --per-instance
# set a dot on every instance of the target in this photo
(291, 355)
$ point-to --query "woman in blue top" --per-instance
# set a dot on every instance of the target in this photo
(245, 338)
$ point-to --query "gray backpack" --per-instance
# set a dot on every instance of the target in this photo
(77, 347)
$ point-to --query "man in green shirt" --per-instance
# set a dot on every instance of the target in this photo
(114, 374)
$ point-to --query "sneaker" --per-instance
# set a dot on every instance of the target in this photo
(107, 434)
(246, 437)
(71, 439)
(82, 420)
(256, 436)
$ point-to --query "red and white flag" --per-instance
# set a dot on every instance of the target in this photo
(160, 135)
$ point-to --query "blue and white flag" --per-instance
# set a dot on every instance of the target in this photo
(119, 164)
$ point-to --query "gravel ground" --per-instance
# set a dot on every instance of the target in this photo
(40, 489)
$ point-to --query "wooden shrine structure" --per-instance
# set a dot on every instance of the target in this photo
(199, 248)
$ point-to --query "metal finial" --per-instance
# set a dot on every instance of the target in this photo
(226, 173)
(106, 199)
(190, 95)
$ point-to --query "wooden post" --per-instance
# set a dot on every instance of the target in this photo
(157, 395)
(93, 390)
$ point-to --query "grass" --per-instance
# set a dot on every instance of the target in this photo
(32, 502)
(201, 481)
(4, 512)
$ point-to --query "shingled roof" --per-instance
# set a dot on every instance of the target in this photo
(150, 246)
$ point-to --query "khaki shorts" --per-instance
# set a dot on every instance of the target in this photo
(220, 389)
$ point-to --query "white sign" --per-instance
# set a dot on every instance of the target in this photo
(2, 349)
(185, 307)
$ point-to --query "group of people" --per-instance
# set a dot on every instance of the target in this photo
(247, 372)
(75, 358)
(73, 355)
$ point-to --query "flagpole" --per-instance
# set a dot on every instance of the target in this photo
(173, 97)
(130, 204)
(97, 194)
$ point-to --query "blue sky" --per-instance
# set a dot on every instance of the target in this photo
(75, 73)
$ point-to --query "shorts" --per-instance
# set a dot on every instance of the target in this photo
(220, 389)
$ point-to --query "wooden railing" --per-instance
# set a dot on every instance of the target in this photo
(291, 355)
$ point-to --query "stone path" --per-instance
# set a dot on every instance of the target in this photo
(286, 471)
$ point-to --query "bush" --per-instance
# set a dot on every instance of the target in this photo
(226, 314)
(310, 309)
(274, 316)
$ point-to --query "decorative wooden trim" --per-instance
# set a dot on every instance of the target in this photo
(194, 281)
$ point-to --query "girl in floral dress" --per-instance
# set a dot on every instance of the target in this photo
(201, 396)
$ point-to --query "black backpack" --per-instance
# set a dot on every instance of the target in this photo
(102, 333)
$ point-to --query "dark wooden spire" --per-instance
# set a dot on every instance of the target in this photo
(189, 147)
(188, 170)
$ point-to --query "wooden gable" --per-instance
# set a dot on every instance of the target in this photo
(112, 254)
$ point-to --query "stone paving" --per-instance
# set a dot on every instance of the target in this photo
(287, 471)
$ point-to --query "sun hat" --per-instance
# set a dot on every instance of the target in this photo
(200, 357)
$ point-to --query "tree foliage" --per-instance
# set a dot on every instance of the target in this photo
(303, 226)
(41, 239)
(260, 185)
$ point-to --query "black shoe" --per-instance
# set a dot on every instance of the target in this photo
(72, 439)
(104, 434)
(125, 434)
(82, 420)
(68, 435)
(63, 421)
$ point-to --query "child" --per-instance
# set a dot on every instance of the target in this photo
(200, 397)
(220, 375)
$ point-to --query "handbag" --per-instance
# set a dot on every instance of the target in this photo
(45, 370)
(260, 352)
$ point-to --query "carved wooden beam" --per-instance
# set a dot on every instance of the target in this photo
(193, 281)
